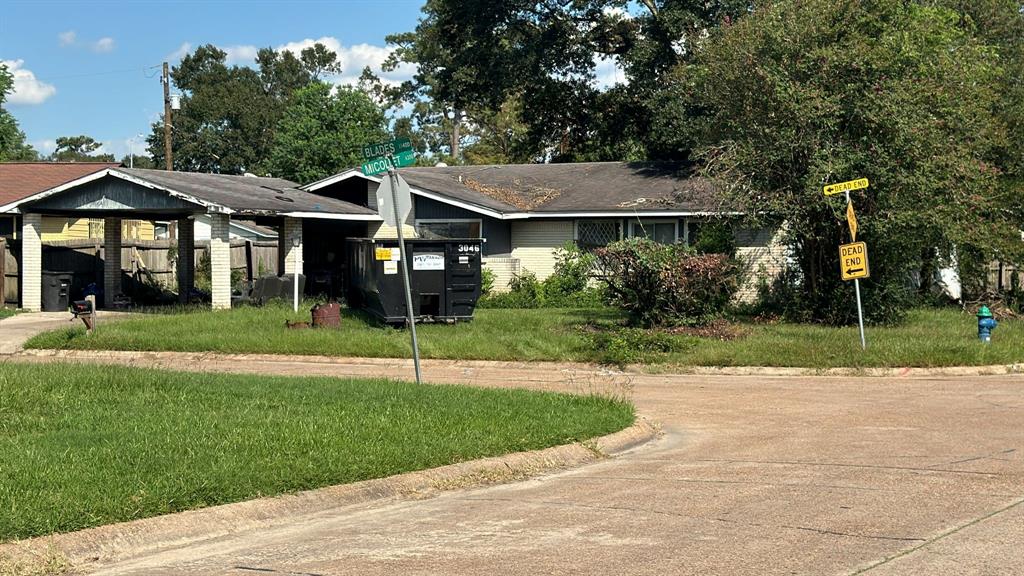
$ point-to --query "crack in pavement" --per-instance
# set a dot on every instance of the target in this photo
(845, 465)
(942, 536)
(691, 517)
(273, 571)
(989, 456)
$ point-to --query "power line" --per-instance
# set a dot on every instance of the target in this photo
(105, 73)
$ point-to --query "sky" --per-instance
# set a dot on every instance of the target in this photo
(93, 67)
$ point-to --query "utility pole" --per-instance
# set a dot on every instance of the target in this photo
(168, 155)
(456, 121)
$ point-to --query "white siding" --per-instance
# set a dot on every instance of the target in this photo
(534, 244)
(763, 256)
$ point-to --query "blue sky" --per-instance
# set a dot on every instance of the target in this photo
(93, 67)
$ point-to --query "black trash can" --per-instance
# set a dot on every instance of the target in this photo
(56, 291)
(444, 278)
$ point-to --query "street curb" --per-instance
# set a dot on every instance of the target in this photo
(173, 360)
(91, 548)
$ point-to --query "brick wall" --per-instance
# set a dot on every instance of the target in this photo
(763, 256)
(293, 254)
(220, 261)
(32, 262)
(112, 260)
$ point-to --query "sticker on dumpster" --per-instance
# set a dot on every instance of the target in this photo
(382, 253)
(428, 261)
(390, 267)
(463, 259)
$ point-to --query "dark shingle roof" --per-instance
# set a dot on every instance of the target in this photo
(579, 187)
(247, 194)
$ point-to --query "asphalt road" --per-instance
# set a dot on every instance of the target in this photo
(754, 475)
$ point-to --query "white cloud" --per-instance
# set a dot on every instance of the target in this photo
(66, 38)
(105, 44)
(27, 88)
(607, 72)
(244, 55)
(180, 53)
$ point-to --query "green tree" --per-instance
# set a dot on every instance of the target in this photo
(138, 161)
(79, 149)
(804, 93)
(321, 133)
(12, 140)
(228, 113)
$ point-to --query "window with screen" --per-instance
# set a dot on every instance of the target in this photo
(449, 229)
(662, 232)
(591, 234)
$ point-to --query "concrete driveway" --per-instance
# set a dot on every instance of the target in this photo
(754, 475)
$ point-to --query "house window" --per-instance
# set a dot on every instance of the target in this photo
(448, 228)
(661, 231)
(95, 228)
(592, 234)
(692, 232)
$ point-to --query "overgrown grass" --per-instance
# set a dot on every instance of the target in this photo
(928, 338)
(83, 446)
(7, 312)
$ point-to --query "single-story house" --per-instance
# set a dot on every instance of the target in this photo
(524, 212)
(22, 179)
(310, 226)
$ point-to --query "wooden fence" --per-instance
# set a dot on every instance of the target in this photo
(84, 259)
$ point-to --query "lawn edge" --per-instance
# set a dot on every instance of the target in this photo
(171, 360)
(93, 547)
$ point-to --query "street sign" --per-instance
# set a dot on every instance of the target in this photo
(385, 163)
(833, 189)
(853, 261)
(392, 148)
(386, 201)
(851, 219)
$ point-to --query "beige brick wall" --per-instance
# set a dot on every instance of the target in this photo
(504, 269)
(534, 244)
(292, 254)
(220, 261)
(763, 256)
(31, 262)
(111, 260)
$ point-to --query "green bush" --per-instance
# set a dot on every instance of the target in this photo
(667, 284)
(635, 345)
(486, 281)
(567, 287)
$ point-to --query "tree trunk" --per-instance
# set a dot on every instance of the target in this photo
(456, 121)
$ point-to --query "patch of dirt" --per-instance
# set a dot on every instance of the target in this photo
(717, 330)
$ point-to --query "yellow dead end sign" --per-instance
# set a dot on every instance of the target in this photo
(858, 184)
(853, 261)
(851, 219)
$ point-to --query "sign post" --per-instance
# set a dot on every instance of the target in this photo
(394, 203)
(853, 257)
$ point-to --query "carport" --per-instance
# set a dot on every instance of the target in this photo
(115, 194)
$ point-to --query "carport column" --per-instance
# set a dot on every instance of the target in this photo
(220, 261)
(31, 262)
(186, 258)
(293, 253)
(111, 260)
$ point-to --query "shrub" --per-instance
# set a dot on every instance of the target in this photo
(667, 284)
(486, 281)
(567, 287)
(634, 345)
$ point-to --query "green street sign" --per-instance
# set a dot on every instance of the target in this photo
(385, 163)
(392, 148)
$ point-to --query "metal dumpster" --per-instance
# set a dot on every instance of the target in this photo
(444, 278)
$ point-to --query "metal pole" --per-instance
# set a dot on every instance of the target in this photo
(403, 264)
(856, 287)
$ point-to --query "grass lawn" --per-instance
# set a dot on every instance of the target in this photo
(929, 337)
(83, 446)
(7, 312)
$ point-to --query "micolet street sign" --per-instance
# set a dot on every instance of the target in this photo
(385, 163)
(833, 189)
(853, 261)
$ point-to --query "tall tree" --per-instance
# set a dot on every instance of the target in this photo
(479, 53)
(79, 149)
(907, 94)
(228, 113)
(12, 140)
(321, 133)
